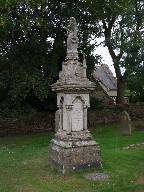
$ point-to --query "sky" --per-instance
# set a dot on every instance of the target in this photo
(103, 51)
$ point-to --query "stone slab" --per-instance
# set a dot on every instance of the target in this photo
(97, 176)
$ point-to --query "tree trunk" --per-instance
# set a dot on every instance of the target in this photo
(116, 60)
(120, 90)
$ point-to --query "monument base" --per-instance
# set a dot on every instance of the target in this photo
(73, 154)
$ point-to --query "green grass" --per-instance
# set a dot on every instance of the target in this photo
(24, 166)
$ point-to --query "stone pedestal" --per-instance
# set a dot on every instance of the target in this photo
(73, 147)
(74, 152)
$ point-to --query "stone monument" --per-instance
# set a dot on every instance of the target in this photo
(126, 123)
(73, 147)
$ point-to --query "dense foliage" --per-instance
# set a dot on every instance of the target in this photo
(135, 85)
(33, 39)
(121, 23)
(33, 45)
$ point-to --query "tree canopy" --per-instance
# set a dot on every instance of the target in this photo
(121, 23)
(33, 43)
(33, 39)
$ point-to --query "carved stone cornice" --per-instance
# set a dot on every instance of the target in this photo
(73, 88)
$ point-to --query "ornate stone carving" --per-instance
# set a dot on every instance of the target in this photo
(72, 137)
(73, 72)
(72, 40)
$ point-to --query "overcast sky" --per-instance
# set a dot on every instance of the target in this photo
(103, 51)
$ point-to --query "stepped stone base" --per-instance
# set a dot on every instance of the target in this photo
(73, 155)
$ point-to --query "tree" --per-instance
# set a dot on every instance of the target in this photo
(121, 24)
(33, 42)
(135, 85)
(33, 39)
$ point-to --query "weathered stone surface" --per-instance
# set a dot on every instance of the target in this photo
(97, 176)
(73, 147)
(72, 40)
(39, 122)
(126, 123)
(134, 146)
(74, 158)
(57, 120)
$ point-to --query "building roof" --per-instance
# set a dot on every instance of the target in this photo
(104, 75)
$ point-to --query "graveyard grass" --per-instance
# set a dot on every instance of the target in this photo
(24, 166)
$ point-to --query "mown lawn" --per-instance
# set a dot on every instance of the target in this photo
(24, 166)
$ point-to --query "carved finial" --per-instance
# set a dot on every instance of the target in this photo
(72, 27)
(72, 40)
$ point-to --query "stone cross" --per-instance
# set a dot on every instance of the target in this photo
(126, 123)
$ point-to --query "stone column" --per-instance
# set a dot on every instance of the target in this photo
(69, 110)
(85, 118)
(61, 117)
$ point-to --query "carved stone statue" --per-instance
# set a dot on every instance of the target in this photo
(72, 40)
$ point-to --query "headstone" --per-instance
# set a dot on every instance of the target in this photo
(73, 147)
(126, 123)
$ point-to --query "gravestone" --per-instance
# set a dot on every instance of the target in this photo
(126, 123)
(73, 147)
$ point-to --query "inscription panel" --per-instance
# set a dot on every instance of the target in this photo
(77, 115)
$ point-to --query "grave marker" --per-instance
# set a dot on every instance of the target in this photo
(73, 147)
(126, 123)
